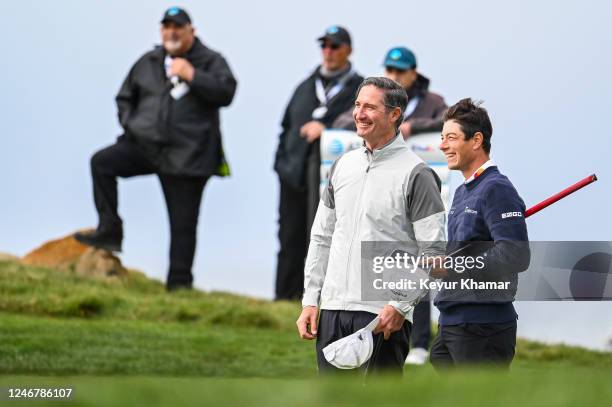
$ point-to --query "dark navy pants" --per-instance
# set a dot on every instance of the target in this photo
(183, 195)
(469, 344)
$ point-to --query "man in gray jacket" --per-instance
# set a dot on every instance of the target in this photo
(423, 113)
(381, 192)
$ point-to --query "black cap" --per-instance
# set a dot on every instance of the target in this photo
(337, 35)
(176, 15)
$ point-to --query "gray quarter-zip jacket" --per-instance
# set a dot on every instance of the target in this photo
(389, 195)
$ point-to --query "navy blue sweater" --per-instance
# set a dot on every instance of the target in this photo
(488, 209)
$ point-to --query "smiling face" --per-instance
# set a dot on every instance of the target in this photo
(461, 154)
(374, 121)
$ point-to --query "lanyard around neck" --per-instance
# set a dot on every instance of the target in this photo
(323, 96)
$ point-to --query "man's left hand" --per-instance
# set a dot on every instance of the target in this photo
(390, 321)
(312, 130)
(183, 69)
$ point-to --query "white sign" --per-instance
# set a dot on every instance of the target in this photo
(335, 142)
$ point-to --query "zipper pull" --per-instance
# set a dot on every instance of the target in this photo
(369, 155)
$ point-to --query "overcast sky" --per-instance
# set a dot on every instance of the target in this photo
(542, 68)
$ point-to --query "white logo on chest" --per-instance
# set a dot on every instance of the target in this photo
(470, 211)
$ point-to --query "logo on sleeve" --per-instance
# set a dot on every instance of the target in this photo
(511, 215)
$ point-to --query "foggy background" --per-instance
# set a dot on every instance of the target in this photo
(542, 69)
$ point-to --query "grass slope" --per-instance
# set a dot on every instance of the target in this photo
(126, 342)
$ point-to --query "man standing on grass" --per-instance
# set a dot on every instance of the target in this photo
(169, 110)
(423, 114)
(380, 192)
(478, 326)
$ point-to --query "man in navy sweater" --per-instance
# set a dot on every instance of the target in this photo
(477, 321)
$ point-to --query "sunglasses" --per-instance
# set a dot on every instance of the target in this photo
(330, 45)
(391, 69)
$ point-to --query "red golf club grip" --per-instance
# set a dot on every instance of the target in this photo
(547, 202)
(571, 189)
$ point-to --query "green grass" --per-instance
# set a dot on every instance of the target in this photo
(524, 387)
(128, 342)
(51, 346)
(45, 292)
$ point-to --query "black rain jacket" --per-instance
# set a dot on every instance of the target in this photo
(181, 137)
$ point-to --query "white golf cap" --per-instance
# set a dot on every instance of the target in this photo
(354, 350)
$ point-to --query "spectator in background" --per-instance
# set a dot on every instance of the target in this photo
(315, 104)
(169, 110)
(425, 109)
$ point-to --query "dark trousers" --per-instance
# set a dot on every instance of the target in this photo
(421, 325)
(182, 194)
(334, 325)
(297, 210)
(474, 344)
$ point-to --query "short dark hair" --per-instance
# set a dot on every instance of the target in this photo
(394, 95)
(472, 118)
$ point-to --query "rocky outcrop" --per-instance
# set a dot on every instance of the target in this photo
(66, 253)
(99, 262)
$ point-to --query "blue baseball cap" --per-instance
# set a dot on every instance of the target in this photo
(400, 58)
(176, 15)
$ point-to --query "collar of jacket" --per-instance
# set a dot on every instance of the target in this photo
(316, 73)
(390, 148)
(332, 76)
(419, 87)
